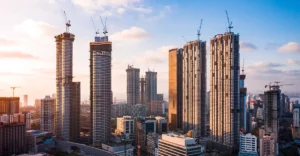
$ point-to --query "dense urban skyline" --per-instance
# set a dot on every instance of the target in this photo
(269, 46)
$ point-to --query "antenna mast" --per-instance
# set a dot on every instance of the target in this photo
(104, 26)
(198, 31)
(229, 22)
(68, 22)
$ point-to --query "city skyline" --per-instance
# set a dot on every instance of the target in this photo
(269, 47)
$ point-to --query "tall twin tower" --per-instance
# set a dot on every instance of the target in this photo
(67, 110)
(187, 89)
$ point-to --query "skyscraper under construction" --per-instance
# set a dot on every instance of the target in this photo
(100, 90)
(133, 85)
(194, 87)
(225, 89)
(68, 98)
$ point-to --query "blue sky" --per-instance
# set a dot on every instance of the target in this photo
(142, 31)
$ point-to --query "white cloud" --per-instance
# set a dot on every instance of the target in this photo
(106, 14)
(157, 56)
(92, 5)
(133, 33)
(247, 47)
(293, 62)
(142, 10)
(35, 29)
(121, 10)
(167, 9)
(291, 47)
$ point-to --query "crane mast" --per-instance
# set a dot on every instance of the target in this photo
(229, 22)
(96, 30)
(198, 31)
(104, 26)
(68, 22)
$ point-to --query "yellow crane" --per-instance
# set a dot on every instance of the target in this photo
(13, 89)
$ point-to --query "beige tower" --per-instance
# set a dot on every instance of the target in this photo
(194, 87)
(224, 89)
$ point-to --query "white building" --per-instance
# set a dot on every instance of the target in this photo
(47, 114)
(119, 150)
(172, 144)
(125, 125)
(296, 117)
(248, 145)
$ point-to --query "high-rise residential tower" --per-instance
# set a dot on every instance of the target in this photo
(194, 87)
(100, 90)
(25, 104)
(175, 88)
(225, 89)
(142, 91)
(133, 85)
(66, 95)
(151, 86)
(47, 114)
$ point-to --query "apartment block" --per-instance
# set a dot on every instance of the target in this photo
(100, 90)
(225, 89)
(194, 87)
(47, 114)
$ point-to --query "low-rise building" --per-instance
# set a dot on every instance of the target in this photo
(12, 138)
(39, 141)
(119, 149)
(138, 110)
(17, 118)
(119, 110)
(248, 145)
(152, 144)
(162, 125)
(126, 126)
(172, 144)
(144, 125)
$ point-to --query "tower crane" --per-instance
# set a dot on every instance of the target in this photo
(229, 22)
(96, 30)
(13, 89)
(68, 22)
(276, 85)
(104, 26)
(198, 31)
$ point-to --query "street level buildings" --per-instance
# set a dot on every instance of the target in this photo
(47, 114)
(194, 87)
(67, 91)
(100, 90)
(133, 85)
(150, 86)
(175, 89)
(172, 144)
(225, 89)
(9, 105)
(126, 126)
